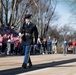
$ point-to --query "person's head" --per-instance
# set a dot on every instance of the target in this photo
(12, 27)
(54, 38)
(27, 18)
(70, 40)
(49, 37)
(38, 36)
(0, 35)
(5, 35)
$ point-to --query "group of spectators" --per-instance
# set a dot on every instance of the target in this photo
(50, 46)
(46, 45)
(9, 41)
(11, 44)
(69, 46)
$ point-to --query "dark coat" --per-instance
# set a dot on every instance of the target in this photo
(30, 29)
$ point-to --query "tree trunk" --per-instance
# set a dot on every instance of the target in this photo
(12, 12)
(6, 12)
(0, 13)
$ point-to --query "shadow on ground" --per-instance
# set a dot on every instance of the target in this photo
(19, 70)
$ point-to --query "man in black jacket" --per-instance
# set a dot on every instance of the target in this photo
(28, 30)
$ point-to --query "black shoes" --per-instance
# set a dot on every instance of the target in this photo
(30, 65)
(24, 65)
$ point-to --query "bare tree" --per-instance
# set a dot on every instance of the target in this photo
(43, 12)
(66, 30)
(0, 13)
(11, 10)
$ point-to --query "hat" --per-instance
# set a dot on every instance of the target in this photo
(27, 16)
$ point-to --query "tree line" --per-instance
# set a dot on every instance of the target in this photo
(43, 14)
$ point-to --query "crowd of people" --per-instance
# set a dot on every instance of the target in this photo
(69, 46)
(11, 44)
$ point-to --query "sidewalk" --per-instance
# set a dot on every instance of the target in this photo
(52, 64)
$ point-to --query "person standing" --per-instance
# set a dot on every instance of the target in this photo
(28, 30)
(1, 38)
(44, 46)
(54, 45)
(74, 46)
(38, 45)
(70, 47)
(8, 44)
(64, 45)
(4, 44)
(49, 45)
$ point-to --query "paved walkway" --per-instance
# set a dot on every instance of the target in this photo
(52, 64)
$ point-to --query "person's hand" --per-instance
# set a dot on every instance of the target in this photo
(21, 34)
(35, 45)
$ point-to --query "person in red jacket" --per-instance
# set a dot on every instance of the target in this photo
(70, 46)
(74, 46)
